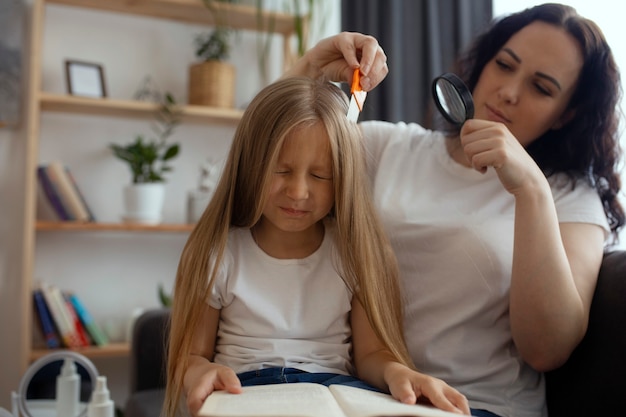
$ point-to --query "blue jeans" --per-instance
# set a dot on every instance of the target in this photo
(482, 413)
(269, 376)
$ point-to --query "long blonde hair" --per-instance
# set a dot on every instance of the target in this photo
(368, 265)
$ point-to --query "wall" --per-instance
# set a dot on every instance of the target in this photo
(114, 273)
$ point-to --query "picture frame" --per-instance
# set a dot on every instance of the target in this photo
(85, 79)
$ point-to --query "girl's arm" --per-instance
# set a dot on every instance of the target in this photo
(377, 366)
(202, 376)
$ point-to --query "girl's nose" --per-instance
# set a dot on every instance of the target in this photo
(297, 188)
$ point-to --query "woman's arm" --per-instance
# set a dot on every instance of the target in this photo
(202, 376)
(377, 366)
(555, 266)
(336, 57)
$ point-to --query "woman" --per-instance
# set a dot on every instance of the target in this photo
(499, 227)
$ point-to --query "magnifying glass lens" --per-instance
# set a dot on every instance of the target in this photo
(453, 98)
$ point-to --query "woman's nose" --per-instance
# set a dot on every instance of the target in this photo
(509, 92)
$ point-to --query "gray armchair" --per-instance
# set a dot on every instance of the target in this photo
(147, 364)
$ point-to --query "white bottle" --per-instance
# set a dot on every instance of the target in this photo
(101, 404)
(68, 390)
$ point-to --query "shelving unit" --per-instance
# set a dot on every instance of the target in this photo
(41, 102)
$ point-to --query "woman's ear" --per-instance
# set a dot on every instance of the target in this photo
(565, 118)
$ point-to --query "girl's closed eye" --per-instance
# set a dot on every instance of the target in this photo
(322, 176)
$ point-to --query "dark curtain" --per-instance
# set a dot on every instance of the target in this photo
(421, 39)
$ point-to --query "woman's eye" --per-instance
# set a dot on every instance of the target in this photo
(543, 90)
(503, 65)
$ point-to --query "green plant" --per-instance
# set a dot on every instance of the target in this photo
(164, 298)
(148, 160)
(213, 46)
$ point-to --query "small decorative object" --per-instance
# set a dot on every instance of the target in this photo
(148, 162)
(198, 199)
(85, 79)
(212, 81)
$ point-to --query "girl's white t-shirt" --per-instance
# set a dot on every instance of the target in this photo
(452, 230)
(281, 312)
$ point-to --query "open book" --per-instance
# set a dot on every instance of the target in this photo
(311, 400)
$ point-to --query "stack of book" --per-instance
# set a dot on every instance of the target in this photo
(61, 195)
(64, 321)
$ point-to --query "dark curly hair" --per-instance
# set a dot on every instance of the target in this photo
(588, 146)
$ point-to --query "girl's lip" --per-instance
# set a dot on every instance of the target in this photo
(495, 114)
(293, 212)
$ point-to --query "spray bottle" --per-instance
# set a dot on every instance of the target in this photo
(68, 390)
(101, 404)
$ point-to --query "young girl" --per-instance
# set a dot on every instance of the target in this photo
(287, 276)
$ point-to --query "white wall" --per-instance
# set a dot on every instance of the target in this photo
(103, 268)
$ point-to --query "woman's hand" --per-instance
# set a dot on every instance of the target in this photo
(409, 386)
(336, 57)
(491, 144)
(203, 377)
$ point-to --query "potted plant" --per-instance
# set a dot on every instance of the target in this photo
(212, 79)
(148, 161)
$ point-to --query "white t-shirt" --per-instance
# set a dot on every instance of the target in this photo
(281, 312)
(452, 230)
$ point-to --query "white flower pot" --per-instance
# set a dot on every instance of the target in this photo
(143, 203)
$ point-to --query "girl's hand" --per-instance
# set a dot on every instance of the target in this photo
(336, 57)
(203, 377)
(409, 386)
(491, 144)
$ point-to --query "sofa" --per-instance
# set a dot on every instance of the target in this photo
(591, 383)
(593, 380)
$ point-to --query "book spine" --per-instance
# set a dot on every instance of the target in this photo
(84, 338)
(52, 194)
(90, 215)
(60, 316)
(47, 325)
(96, 333)
(56, 170)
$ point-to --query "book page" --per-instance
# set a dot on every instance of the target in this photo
(279, 400)
(357, 402)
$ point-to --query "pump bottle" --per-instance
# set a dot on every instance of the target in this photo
(68, 390)
(101, 404)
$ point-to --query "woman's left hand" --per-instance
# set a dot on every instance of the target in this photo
(491, 144)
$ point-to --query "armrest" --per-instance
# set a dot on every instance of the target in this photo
(592, 381)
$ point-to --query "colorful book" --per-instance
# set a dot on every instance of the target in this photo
(69, 174)
(84, 338)
(60, 315)
(45, 320)
(97, 335)
(72, 202)
(53, 196)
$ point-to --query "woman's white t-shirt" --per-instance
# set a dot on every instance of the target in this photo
(281, 312)
(452, 230)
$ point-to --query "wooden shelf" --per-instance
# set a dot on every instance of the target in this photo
(111, 350)
(193, 11)
(129, 108)
(46, 226)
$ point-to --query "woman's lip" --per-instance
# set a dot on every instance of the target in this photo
(496, 116)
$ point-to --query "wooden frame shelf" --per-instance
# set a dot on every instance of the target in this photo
(109, 350)
(46, 226)
(131, 108)
(193, 11)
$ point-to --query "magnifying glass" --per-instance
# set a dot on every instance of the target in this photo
(453, 98)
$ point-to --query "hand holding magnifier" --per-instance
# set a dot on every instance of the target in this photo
(453, 98)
